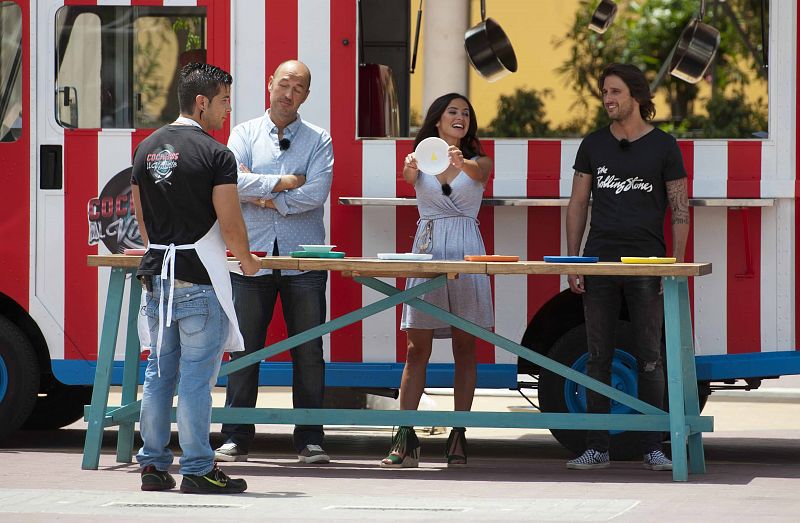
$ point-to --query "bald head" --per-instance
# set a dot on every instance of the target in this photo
(293, 68)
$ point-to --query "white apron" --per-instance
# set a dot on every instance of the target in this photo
(212, 253)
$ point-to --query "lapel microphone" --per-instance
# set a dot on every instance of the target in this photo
(284, 144)
(624, 144)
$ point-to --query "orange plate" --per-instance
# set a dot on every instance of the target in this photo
(491, 258)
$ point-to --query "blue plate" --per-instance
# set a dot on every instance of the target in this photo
(571, 259)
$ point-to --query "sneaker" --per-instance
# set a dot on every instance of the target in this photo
(215, 482)
(230, 452)
(313, 454)
(154, 479)
(656, 460)
(590, 459)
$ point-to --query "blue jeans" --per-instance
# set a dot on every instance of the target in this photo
(191, 353)
(303, 302)
(601, 307)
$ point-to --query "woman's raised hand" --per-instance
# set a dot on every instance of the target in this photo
(411, 162)
(456, 157)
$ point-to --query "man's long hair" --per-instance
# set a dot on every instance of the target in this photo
(470, 146)
(637, 84)
(196, 78)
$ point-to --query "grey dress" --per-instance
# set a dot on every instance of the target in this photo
(448, 229)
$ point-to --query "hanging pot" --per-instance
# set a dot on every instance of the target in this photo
(695, 50)
(603, 16)
(489, 49)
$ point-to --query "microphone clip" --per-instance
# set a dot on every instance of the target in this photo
(284, 144)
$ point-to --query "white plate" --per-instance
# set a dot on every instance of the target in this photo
(431, 155)
(317, 248)
(403, 256)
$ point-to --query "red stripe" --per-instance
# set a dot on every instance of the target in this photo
(544, 168)
(345, 220)
(15, 197)
(281, 35)
(219, 46)
(797, 184)
(544, 239)
(155, 3)
(744, 290)
(80, 285)
(744, 169)
(80, 2)
(405, 228)
(485, 350)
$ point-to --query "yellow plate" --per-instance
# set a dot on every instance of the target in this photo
(652, 259)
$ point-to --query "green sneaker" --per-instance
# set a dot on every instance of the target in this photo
(215, 482)
(154, 479)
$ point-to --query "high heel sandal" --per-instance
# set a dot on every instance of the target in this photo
(405, 450)
(455, 441)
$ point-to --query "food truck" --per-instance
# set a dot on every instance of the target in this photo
(83, 82)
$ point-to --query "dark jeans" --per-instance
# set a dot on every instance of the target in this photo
(601, 306)
(303, 301)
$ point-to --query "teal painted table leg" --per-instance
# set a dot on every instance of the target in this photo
(697, 460)
(130, 372)
(102, 376)
(675, 377)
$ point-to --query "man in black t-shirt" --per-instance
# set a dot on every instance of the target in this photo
(187, 206)
(632, 171)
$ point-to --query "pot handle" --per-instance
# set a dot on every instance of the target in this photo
(702, 9)
(483, 10)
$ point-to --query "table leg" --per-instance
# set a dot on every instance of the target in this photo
(675, 370)
(697, 461)
(102, 376)
(130, 372)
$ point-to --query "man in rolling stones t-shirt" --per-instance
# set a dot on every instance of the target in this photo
(632, 171)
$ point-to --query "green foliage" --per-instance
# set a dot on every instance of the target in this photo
(643, 34)
(521, 114)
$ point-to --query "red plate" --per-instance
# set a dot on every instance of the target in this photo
(260, 254)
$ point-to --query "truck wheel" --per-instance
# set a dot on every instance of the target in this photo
(557, 394)
(59, 406)
(19, 377)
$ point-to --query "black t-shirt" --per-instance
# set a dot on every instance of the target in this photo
(629, 195)
(176, 169)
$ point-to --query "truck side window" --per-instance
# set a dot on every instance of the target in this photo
(10, 69)
(116, 66)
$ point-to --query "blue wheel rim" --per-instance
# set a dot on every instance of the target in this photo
(3, 379)
(624, 377)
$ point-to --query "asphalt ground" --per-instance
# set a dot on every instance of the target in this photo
(753, 473)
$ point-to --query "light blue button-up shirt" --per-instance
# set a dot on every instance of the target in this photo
(299, 215)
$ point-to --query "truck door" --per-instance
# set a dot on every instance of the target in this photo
(108, 77)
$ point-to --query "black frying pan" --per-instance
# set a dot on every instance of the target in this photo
(695, 49)
(489, 50)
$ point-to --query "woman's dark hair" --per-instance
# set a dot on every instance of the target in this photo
(470, 145)
(196, 78)
(633, 77)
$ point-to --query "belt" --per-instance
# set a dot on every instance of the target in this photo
(147, 283)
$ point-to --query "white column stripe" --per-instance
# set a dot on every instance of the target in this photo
(569, 148)
(511, 292)
(710, 292)
(710, 169)
(247, 61)
(378, 235)
(510, 167)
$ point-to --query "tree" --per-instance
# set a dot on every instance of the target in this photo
(644, 34)
(520, 115)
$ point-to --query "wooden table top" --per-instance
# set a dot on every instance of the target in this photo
(402, 268)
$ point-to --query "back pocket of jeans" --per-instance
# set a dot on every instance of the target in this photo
(192, 316)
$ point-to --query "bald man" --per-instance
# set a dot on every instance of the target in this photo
(286, 168)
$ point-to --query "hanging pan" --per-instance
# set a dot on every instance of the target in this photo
(603, 16)
(695, 49)
(489, 49)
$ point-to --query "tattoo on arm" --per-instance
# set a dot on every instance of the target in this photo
(678, 201)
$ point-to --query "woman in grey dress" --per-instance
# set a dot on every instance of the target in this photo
(448, 207)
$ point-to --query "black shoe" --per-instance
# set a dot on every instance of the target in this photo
(154, 479)
(215, 482)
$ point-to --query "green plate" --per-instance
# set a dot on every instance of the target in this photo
(308, 254)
